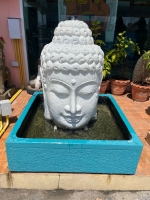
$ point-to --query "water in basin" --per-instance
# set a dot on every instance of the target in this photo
(108, 125)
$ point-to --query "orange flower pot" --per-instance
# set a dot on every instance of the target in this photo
(140, 93)
(118, 87)
(103, 86)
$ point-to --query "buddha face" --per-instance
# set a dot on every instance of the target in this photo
(71, 72)
(72, 98)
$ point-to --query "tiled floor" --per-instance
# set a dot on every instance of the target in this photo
(138, 114)
(17, 106)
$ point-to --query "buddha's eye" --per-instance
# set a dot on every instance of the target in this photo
(87, 91)
(86, 94)
(60, 91)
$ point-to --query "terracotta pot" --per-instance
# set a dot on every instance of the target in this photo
(140, 93)
(103, 86)
(118, 87)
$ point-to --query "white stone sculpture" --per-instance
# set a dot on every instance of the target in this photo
(71, 69)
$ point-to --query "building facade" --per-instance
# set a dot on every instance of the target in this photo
(38, 19)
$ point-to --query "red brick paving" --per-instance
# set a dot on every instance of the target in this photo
(17, 106)
(138, 114)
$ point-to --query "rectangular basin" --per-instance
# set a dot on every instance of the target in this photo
(73, 155)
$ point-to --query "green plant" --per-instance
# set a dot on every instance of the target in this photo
(122, 44)
(95, 28)
(118, 53)
(146, 57)
(107, 64)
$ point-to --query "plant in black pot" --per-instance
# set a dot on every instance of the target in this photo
(141, 78)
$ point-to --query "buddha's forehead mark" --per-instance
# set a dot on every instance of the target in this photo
(73, 81)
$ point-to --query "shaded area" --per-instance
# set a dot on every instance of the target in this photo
(147, 110)
(13, 119)
(129, 96)
(148, 138)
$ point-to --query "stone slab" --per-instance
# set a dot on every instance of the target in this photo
(65, 181)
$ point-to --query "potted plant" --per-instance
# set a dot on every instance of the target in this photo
(141, 78)
(114, 57)
(95, 28)
(118, 55)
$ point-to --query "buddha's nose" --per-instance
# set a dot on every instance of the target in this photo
(73, 106)
(72, 109)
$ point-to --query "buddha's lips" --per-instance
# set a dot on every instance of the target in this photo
(75, 119)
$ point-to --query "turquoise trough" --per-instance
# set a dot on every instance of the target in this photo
(72, 155)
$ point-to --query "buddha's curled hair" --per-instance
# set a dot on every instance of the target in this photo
(72, 50)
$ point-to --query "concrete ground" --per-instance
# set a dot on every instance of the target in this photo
(15, 194)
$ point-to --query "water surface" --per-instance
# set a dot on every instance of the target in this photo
(106, 127)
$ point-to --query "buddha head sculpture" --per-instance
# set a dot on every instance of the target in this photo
(71, 68)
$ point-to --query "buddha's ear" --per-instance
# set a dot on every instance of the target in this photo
(46, 112)
(45, 86)
(46, 109)
(94, 117)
